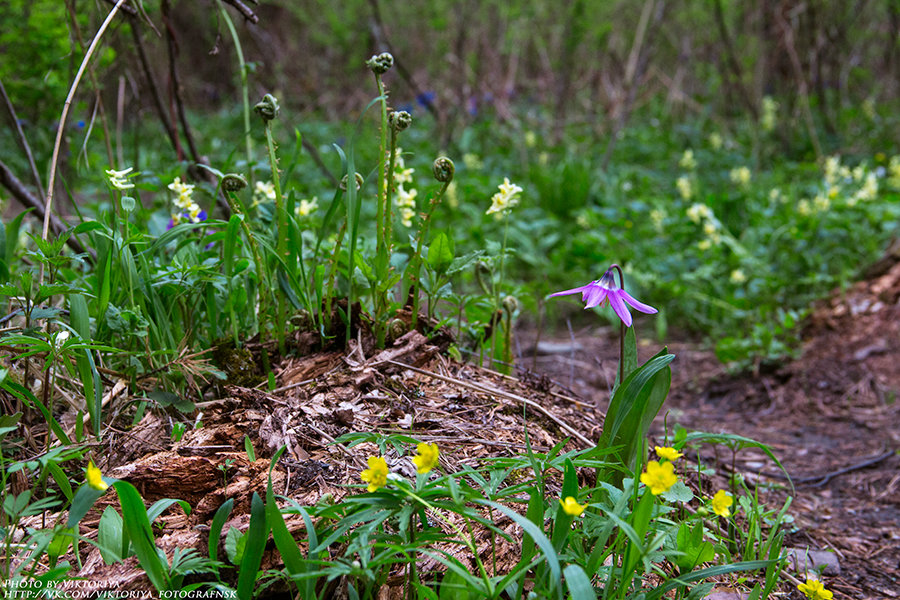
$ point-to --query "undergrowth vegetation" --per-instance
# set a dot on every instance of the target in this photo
(167, 270)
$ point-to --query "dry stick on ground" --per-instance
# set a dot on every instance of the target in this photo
(492, 391)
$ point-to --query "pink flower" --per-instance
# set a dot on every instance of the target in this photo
(597, 293)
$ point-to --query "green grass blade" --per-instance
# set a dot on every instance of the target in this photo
(257, 534)
(215, 528)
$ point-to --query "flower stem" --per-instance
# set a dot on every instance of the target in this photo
(281, 233)
(621, 330)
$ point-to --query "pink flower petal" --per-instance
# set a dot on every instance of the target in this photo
(637, 305)
(572, 291)
(615, 300)
(595, 296)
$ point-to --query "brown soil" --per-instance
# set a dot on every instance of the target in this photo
(830, 417)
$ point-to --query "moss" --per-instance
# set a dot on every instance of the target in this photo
(239, 365)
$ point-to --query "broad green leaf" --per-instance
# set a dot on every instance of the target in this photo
(440, 252)
(579, 583)
(137, 527)
(111, 538)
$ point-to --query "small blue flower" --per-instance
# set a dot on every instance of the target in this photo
(426, 99)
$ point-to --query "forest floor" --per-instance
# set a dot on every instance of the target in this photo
(830, 416)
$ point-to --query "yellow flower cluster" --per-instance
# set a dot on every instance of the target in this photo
(187, 209)
(769, 113)
(118, 180)
(263, 192)
(701, 213)
(657, 217)
(505, 199)
(472, 161)
(740, 176)
(715, 140)
(405, 200)
(687, 160)
(893, 172)
(839, 182)
(307, 207)
(685, 187)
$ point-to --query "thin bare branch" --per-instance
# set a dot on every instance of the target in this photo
(245, 10)
(23, 141)
(48, 205)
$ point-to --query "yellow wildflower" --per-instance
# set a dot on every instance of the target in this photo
(803, 208)
(427, 457)
(118, 180)
(376, 474)
(684, 186)
(659, 477)
(406, 216)
(775, 195)
(821, 202)
(869, 189)
(530, 139)
(95, 477)
(814, 590)
(704, 245)
(687, 160)
(505, 199)
(715, 140)
(710, 228)
(832, 169)
(183, 189)
(697, 212)
(657, 217)
(668, 453)
(451, 195)
(721, 503)
(263, 191)
(472, 162)
(740, 176)
(307, 207)
(571, 507)
(738, 276)
(769, 113)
